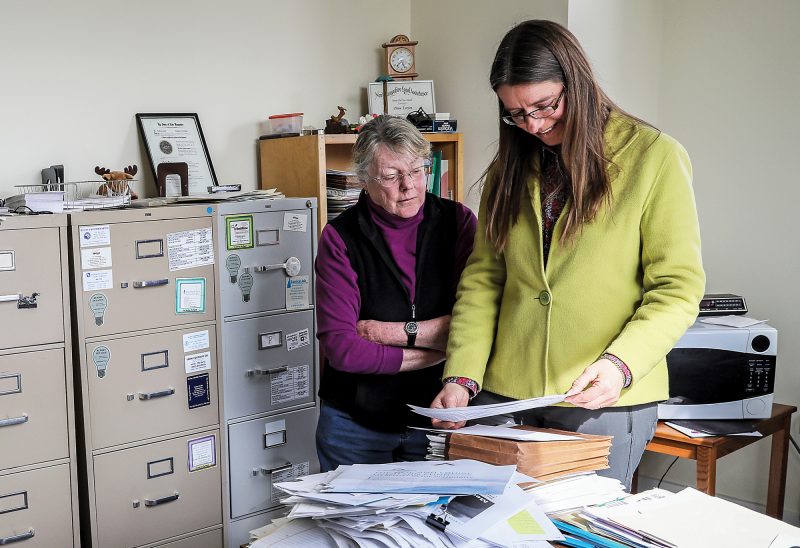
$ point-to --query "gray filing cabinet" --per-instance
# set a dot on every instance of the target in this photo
(269, 357)
(38, 473)
(144, 286)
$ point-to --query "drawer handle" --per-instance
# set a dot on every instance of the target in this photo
(10, 298)
(17, 538)
(156, 502)
(15, 420)
(292, 267)
(270, 471)
(260, 371)
(150, 283)
(153, 395)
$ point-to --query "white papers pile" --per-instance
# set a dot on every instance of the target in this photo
(410, 505)
(658, 518)
(458, 414)
(52, 201)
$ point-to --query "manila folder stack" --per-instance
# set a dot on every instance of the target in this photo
(544, 460)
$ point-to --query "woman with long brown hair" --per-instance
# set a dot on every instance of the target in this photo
(586, 266)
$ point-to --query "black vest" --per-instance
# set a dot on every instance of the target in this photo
(379, 401)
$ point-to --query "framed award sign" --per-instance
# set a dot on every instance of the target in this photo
(177, 139)
(401, 97)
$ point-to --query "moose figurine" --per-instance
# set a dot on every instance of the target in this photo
(116, 182)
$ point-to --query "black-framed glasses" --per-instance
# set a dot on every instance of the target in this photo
(392, 179)
(537, 114)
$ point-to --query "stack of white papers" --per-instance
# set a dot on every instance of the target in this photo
(410, 505)
(458, 414)
(52, 201)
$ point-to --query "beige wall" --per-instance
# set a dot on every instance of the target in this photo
(458, 40)
(74, 74)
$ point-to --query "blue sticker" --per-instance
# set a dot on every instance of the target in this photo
(209, 210)
(197, 389)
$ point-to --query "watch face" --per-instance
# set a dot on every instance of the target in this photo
(411, 328)
(401, 60)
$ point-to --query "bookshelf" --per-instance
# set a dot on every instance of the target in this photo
(296, 165)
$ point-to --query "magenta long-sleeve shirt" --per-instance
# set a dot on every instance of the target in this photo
(338, 299)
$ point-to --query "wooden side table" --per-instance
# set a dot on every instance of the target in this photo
(706, 451)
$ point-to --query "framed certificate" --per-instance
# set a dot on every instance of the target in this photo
(176, 139)
(402, 97)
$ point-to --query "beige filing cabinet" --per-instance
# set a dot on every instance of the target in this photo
(38, 473)
(145, 348)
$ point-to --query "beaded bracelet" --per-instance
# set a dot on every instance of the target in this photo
(623, 368)
(469, 384)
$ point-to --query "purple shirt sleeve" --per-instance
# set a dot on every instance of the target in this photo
(467, 224)
(338, 303)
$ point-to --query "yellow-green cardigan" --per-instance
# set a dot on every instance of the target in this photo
(630, 284)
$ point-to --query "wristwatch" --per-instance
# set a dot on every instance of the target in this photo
(411, 328)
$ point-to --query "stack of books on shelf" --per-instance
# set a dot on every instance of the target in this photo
(52, 201)
(544, 460)
(343, 189)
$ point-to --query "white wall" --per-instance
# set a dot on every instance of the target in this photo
(458, 40)
(74, 74)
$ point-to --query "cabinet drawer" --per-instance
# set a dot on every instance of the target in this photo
(239, 530)
(263, 451)
(209, 539)
(140, 289)
(30, 262)
(147, 493)
(33, 408)
(36, 508)
(259, 253)
(262, 374)
(138, 386)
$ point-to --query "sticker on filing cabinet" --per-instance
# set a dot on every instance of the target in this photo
(297, 292)
(95, 235)
(95, 280)
(190, 295)
(100, 357)
(246, 284)
(190, 249)
(296, 222)
(232, 264)
(239, 232)
(98, 257)
(195, 341)
(290, 385)
(98, 303)
(274, 434)
(197, 362)
(198, 390)
(298, 339)
(290, 474)
(202, 453)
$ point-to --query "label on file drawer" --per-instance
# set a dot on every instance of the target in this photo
(297, 293)
(290, 474)
(197, 389)
(290, 385)
(95, 280)
(92, 236)
(197, 362)
(99, 257)
(298, 339)
(195, 341)
(296, 222)
(202, 453)
(190, 249)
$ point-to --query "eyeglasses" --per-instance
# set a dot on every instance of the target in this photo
(393, 178)
(537, 114)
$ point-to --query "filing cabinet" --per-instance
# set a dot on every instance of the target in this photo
(38, 471)
(269, 356)
(146, 341)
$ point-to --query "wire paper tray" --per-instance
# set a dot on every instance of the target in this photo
(87, 195)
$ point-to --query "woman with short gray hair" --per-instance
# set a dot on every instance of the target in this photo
(387, 270)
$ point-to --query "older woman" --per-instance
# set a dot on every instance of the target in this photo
(387, 271)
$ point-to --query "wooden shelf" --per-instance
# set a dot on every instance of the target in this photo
(296, 165)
